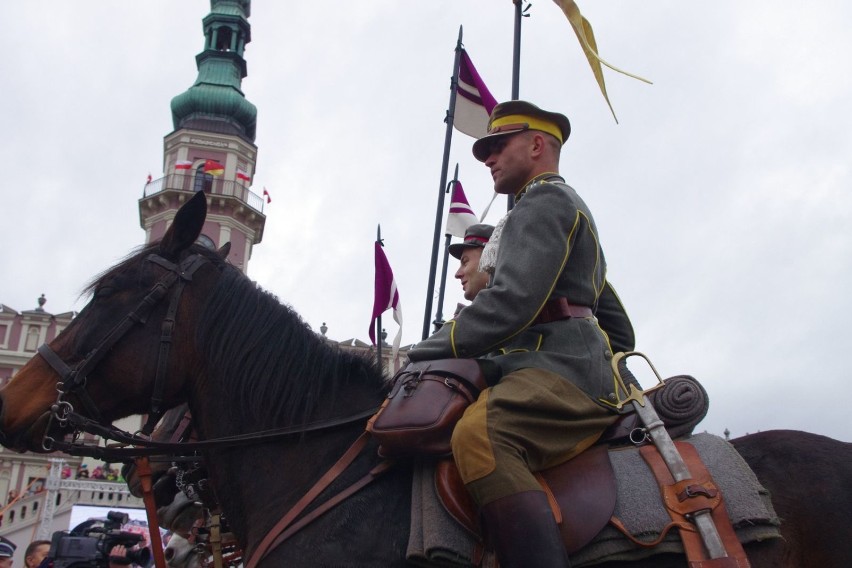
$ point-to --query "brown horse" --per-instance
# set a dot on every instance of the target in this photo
(247, 364)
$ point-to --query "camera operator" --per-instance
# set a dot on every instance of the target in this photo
(36, 552)
(98, 544)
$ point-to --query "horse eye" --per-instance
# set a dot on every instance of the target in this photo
(104, 292)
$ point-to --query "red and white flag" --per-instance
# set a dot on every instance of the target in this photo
(474, 102)
(243, 175)
(149, 180)
(266, 195)
(460, 216)
(183, 165)
(386, 297)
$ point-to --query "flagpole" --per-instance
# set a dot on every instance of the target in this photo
(378, 321)
(516, 52)
(448, 138)
(439, 316)
(516, 73)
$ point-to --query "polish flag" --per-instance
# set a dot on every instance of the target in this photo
(183, 165)
(243, 175)
(266, 195)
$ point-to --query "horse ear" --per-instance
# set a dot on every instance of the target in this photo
(224, 250)
(186, 227)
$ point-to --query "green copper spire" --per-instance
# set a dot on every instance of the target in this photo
(215, 102)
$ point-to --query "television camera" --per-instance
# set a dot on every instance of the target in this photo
(89, 543)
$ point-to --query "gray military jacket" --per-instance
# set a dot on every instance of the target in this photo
(548, 247)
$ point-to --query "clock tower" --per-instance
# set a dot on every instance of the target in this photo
(212, 146)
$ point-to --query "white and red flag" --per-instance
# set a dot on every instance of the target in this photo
(386, 297)
(460, 216)
(183, 165)
(266, 195)
(474, 102)
(243, 175)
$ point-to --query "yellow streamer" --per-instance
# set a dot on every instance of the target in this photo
(586, 36)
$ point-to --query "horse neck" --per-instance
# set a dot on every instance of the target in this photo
(257, 484)
(262, 367)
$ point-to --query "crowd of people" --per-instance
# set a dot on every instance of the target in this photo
(105, 473)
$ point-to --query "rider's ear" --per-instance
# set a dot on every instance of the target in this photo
(186, 227)
(224, 250)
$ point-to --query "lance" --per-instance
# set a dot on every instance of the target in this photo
(448, 138)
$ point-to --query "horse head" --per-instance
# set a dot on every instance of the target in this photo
(175, 323)
(105, 363)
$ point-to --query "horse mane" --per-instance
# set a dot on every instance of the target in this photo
(274, 369)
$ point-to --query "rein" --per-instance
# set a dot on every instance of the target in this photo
(148, 447)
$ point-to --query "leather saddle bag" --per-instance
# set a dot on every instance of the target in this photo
(425, 402)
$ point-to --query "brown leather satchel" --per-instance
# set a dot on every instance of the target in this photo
(425, 402)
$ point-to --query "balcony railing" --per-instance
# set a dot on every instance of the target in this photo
(208, 183)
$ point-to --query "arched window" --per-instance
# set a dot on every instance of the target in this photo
(223, 39)
(203, 181)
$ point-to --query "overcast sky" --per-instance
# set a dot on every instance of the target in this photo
(722, 198)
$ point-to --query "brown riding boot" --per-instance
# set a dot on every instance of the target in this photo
(523, 532)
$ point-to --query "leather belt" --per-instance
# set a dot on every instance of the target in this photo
(559, 309)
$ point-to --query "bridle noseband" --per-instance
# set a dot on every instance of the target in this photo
(73, 379)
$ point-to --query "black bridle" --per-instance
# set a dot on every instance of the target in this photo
(73, 381)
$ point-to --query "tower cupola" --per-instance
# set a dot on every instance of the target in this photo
(215, 102)
(212, 146)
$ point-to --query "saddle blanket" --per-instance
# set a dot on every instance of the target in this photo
(437, 540)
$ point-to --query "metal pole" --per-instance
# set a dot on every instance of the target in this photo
(516, 73)
(448, 138)
(516, 52)
(378, 322)
(439, 316)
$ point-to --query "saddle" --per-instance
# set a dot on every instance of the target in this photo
(582, 491)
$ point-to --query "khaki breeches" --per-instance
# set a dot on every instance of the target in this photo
(533, 419)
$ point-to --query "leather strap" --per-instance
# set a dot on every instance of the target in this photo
(682, 525)
(556, 309)
(271, 540)
(684, 498)
(143, 471)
